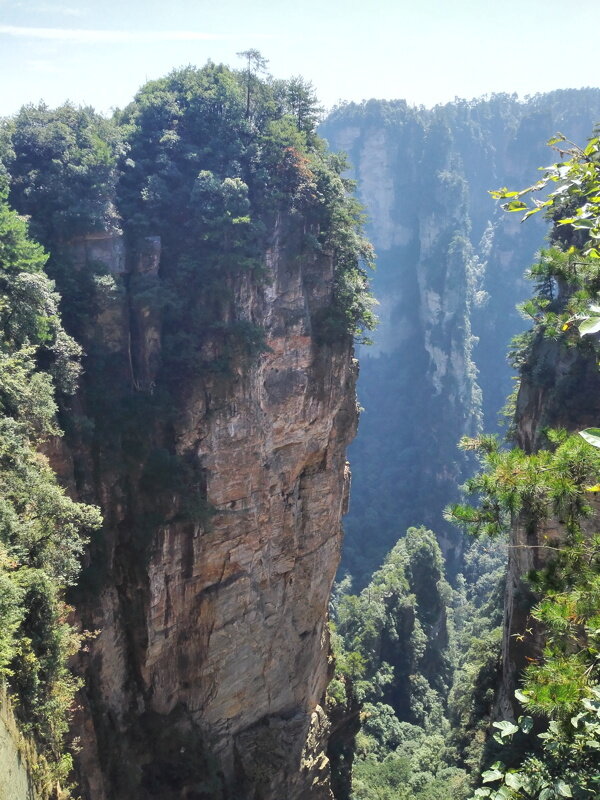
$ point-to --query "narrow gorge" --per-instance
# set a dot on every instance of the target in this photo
(450, 272)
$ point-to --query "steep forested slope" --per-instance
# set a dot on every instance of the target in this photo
(42, 531)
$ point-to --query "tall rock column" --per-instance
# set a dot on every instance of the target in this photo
(212, 654)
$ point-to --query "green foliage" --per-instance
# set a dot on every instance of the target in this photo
(394, 632)
(569, 613)
(567, 275)
(62, 164)
(591, 436)
(42, 531)
(208, 159)
(575, 185)
(211, 176)
(567, 765)
(475, 647)
(565, 283)
(554, 482)
(532, 488)
(399, 646)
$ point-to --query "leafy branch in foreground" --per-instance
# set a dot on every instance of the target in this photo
(533, 487)
(575, 196)
(561, 686)
(566, 767)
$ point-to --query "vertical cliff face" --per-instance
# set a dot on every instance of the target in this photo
(560, 388)
(17, 758)
(449, 272)
(212, 267)
(418, 384)
(211, 661)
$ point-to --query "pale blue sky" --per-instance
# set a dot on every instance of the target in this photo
(425, 51)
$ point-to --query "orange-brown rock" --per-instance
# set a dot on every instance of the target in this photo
(211, 662)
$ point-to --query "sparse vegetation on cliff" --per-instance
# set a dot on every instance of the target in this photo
(553, 480)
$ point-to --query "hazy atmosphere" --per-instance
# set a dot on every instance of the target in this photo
(428, 52)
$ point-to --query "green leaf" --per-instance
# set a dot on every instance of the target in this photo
(506, 728)
(590, 325)
(515, 205)
(522, 698)
(491, 775)
(563, 789)
(591, 705)
(503, 194)
(514, 780)
(592, 436)
(504, 793)
(525, 724)
(547, 794)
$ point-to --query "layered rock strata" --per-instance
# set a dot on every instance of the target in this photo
(211, 659)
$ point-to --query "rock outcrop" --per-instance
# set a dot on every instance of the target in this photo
(17, 757)
(211, 657)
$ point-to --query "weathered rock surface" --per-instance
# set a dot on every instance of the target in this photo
(211, 660)
(559, 389)
(17, 757)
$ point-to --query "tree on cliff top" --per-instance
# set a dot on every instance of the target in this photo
(255, 64)
(62, 166)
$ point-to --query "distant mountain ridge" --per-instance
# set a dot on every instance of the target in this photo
(449, 272)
